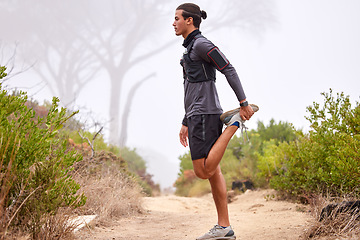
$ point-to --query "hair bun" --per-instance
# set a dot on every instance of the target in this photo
(203, 14)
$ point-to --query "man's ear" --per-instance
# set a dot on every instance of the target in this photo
(190, 20)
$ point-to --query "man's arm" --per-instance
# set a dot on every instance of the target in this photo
(209, 52)
(232, 77)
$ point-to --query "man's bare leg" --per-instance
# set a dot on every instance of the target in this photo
(218, 189)
(209, 169)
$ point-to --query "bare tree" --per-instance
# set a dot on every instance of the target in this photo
(117, 45)
(115, 36)
(8, 56)
(254, 16)
(125, 116)
(42, 29)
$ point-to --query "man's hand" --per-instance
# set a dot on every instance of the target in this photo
(246, 112)
(184, 135)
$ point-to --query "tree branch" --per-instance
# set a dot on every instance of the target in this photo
(128, 104)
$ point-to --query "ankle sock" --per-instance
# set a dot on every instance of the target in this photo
(222, 227)
(236, 124)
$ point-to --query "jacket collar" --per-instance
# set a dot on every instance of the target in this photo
(190, 37)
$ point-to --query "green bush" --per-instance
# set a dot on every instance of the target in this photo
(2, 72)
(184, 183)
(268, 162)
(326, 160)
(34, 164)
(246, 158)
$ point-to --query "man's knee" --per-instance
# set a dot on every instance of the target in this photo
(201, 174)
(200, 169)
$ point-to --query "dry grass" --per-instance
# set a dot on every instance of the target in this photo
(54, 227)
(200, 188)
(58, 226)
(111, 197)
(111, 193)
(336, 225)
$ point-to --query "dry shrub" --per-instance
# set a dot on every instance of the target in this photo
(110, 190)
(57, 226)
(200, 188)
(54, 227)
(338, 224)
(111, 197)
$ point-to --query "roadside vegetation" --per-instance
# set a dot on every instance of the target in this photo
(52, 170)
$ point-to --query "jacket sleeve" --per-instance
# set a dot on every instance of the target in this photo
(205, 49)
(184, 121)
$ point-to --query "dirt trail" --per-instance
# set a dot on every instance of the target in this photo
(179, 218)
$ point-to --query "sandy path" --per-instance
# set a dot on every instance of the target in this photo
(179, 218)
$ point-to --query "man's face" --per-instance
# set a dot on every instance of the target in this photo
(179, 24)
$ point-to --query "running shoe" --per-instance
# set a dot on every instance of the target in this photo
(232, 116)
(217, 233)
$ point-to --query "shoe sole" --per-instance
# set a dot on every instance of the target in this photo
(234, 111)
(223, 238)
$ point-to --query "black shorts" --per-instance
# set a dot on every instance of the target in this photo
(203, 132)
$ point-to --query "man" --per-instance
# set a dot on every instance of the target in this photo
(203, 122)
